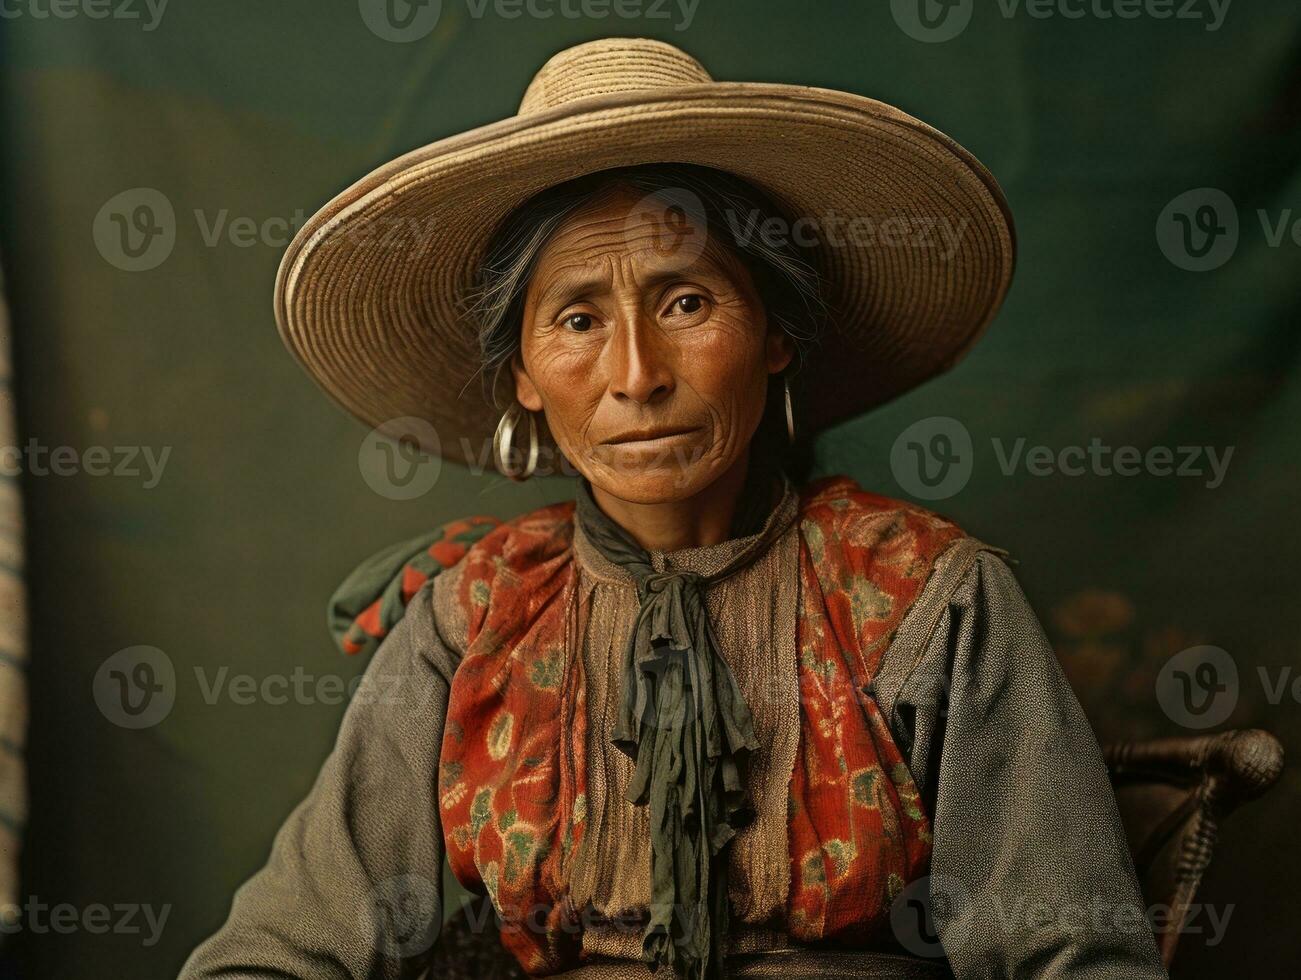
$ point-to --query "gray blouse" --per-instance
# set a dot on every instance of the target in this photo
(1030, 876)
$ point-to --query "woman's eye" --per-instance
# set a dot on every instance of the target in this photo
(693, 303)
(579, 322)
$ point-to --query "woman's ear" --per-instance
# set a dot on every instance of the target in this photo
(780, 350)
(526, 393)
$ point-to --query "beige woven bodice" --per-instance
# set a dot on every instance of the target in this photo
(754, 617)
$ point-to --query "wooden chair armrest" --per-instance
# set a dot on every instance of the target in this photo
(1244, 763)
(1172, 793)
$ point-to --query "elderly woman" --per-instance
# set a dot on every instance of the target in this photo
(708, 716)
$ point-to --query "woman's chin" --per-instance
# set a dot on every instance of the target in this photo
(651, 480)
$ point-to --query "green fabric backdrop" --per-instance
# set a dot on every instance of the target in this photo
(262, 111)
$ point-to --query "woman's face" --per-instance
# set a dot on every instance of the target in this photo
(647, 348)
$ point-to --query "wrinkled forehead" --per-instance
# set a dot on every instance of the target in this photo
(653, 232)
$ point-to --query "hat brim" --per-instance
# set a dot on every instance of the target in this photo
(369, 293)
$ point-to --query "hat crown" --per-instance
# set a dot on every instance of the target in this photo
(608, 66)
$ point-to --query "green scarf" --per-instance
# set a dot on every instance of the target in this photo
(683, 720)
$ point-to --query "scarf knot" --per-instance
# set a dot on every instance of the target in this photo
(656, 582)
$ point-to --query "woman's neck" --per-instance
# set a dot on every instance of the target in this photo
(698, 521)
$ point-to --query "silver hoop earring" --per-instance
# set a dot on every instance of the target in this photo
(790, 412)
(502, 447)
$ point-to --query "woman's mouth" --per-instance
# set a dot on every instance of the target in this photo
(651, 438)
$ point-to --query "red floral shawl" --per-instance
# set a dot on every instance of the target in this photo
(513, 765)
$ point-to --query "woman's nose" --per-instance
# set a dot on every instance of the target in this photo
(640, 370)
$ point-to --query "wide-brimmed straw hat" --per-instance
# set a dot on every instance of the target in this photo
(914, 236)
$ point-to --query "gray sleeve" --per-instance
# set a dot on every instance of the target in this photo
(353, 886)
(1031, 875)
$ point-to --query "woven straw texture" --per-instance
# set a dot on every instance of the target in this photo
(370, 293)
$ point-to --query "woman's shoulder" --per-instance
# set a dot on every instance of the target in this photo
(838, 507)
(374, 596)
(369, 602)
(536, 535)
(853, 533)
